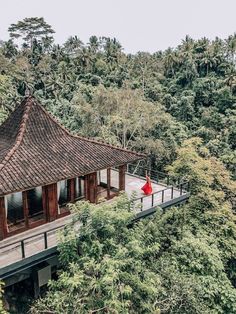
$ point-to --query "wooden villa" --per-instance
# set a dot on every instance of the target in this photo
(43, 167)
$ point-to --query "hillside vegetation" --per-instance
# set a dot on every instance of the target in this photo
(180, 262)
(178, 106)
(150, 102)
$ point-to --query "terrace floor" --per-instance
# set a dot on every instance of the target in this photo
(33, 240)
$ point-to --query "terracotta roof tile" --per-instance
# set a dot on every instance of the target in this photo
(36, 150)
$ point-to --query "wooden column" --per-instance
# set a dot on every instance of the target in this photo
(86, 187)
(3, 219)
(71, 190)
(108, 183)
(50, 202)
(122, 170)
(25, 208)
(91, 187)
(80, 187)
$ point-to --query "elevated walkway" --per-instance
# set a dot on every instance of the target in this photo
(20, 253)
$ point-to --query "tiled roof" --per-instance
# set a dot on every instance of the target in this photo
(36, 150)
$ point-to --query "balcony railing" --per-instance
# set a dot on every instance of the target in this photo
(173, 188)
(46, 240)
(158, 176)
(41, 241)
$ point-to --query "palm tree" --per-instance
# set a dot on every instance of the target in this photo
(93, 44)
(170, 62)
(9, 49)
(231, 46)
(73, 45)
(208, 61)
(112, 49)
(187, 44)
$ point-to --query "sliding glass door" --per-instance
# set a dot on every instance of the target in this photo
(14, 211)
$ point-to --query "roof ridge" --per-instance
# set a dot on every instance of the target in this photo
(108, 145)
(38, 146)
(54, 119)
(28, 104)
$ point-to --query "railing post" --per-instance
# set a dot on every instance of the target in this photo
(181, 188)
(162, 196)
(172, 192)
(152, 200)
(141, 204)
(22, 248)
(45, 240)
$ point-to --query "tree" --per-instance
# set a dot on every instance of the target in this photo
(2, 311)
(178, 262)
(73, 45)
(9, 49)
(110, 275)
(30, 29)
(203, 171)
(170, 62)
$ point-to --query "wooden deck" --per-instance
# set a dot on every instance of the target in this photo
(45, 237)
(133, 185)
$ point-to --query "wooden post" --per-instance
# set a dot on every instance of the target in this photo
(3, 219)
(122, 170)
(91, 187)
(71, 190)
(86, 187)
(25, 208)
(108, 183)
(50, 202)
(80, 187)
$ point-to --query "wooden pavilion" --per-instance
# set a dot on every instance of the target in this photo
(43, 167)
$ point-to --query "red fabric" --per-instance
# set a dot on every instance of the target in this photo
(147, 188)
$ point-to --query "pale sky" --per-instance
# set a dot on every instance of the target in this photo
(139, 25)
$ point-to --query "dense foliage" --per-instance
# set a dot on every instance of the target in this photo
(145, 101)
(178, 106)
(182, 261)
(2, 311)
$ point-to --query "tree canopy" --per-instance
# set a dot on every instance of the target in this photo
(189, 91)
(178, 106)
(181, 261)
(30, 29)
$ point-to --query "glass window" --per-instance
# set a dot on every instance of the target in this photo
(35, 204)
(62, 192)
(15, 211)
(103, 178)
(79, 187)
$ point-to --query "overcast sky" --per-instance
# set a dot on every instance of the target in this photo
(140, 25)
